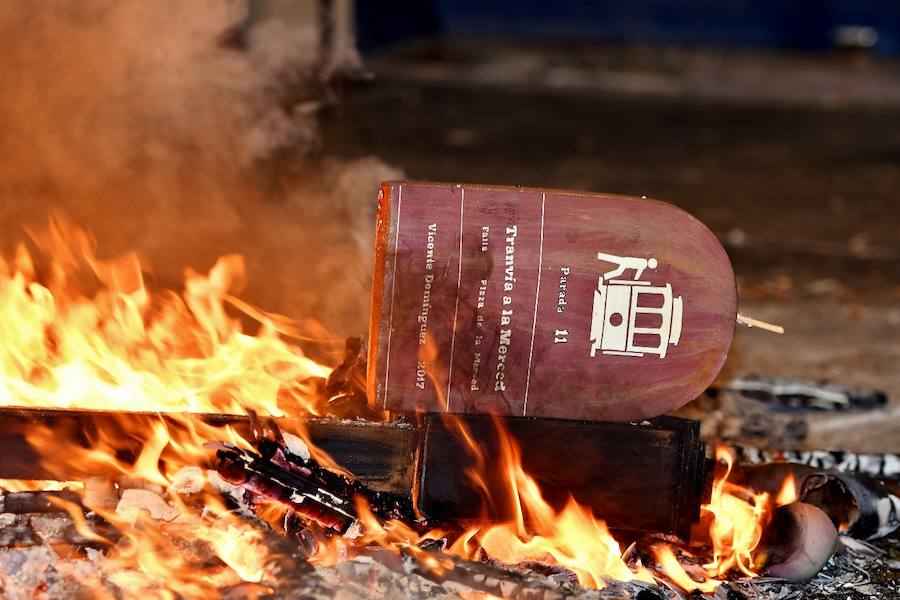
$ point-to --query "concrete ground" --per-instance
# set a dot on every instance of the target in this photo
(802, 186)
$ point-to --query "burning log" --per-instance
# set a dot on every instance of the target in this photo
(647, 476)
(36, 502)
(305, 487)
(381, 455)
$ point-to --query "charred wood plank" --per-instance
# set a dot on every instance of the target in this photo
(382, 455)
(648, 476)
(21, 503)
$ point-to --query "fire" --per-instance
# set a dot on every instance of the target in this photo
(572, 537)
(80, 332)
(125, 348)
(736, 517)
(737, 522)
(678, 574)
(788, 491)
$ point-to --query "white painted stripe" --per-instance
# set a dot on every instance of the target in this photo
(537, 295)
(462, 204)
(387, 364)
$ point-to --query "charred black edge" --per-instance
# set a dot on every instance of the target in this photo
(380, 280)
(696, 472)
(381, 455)
(690, 479)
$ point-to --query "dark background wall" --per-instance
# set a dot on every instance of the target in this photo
(807, 25)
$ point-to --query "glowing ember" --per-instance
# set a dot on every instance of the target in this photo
(788, 491)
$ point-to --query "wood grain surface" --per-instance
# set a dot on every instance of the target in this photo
(526, 301)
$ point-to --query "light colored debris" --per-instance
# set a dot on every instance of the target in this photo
(24, 569)
(188, 480)
(130, 482)
(296, 446)
(219, 484)
(861, 547)
(50, 526)
(137, 501)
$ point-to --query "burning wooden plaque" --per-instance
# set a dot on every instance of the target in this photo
(539, 302)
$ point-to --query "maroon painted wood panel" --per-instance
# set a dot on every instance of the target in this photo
(541, 302)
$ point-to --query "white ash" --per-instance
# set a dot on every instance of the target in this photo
(861, 571)
(50, 526)
(296, 446)
(23, 570)
(131, 482)
(99, 493)
(134, 502)
(187, 481)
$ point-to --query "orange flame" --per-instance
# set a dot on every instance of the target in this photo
(737, 522)
(572, 537)
(81, 332)
(736, 517)
(679, 576)
(123, 348)
(788, 492)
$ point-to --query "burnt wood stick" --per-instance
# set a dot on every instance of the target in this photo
(648, 476)
(308, 489)
(21, 503)
(266, 480)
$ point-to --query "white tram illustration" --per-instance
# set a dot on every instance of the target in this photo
(619, 304)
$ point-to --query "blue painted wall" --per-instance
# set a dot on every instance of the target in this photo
(807, 25)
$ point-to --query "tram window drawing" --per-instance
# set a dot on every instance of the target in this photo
(632, 316)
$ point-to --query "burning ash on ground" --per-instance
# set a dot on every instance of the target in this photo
(182, 131)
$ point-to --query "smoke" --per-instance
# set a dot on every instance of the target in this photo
(183, 131)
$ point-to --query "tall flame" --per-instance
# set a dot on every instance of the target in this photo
(124, 348)
(80, 332)
(736, 517)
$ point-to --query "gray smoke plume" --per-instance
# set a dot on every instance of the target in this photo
(183, 131)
